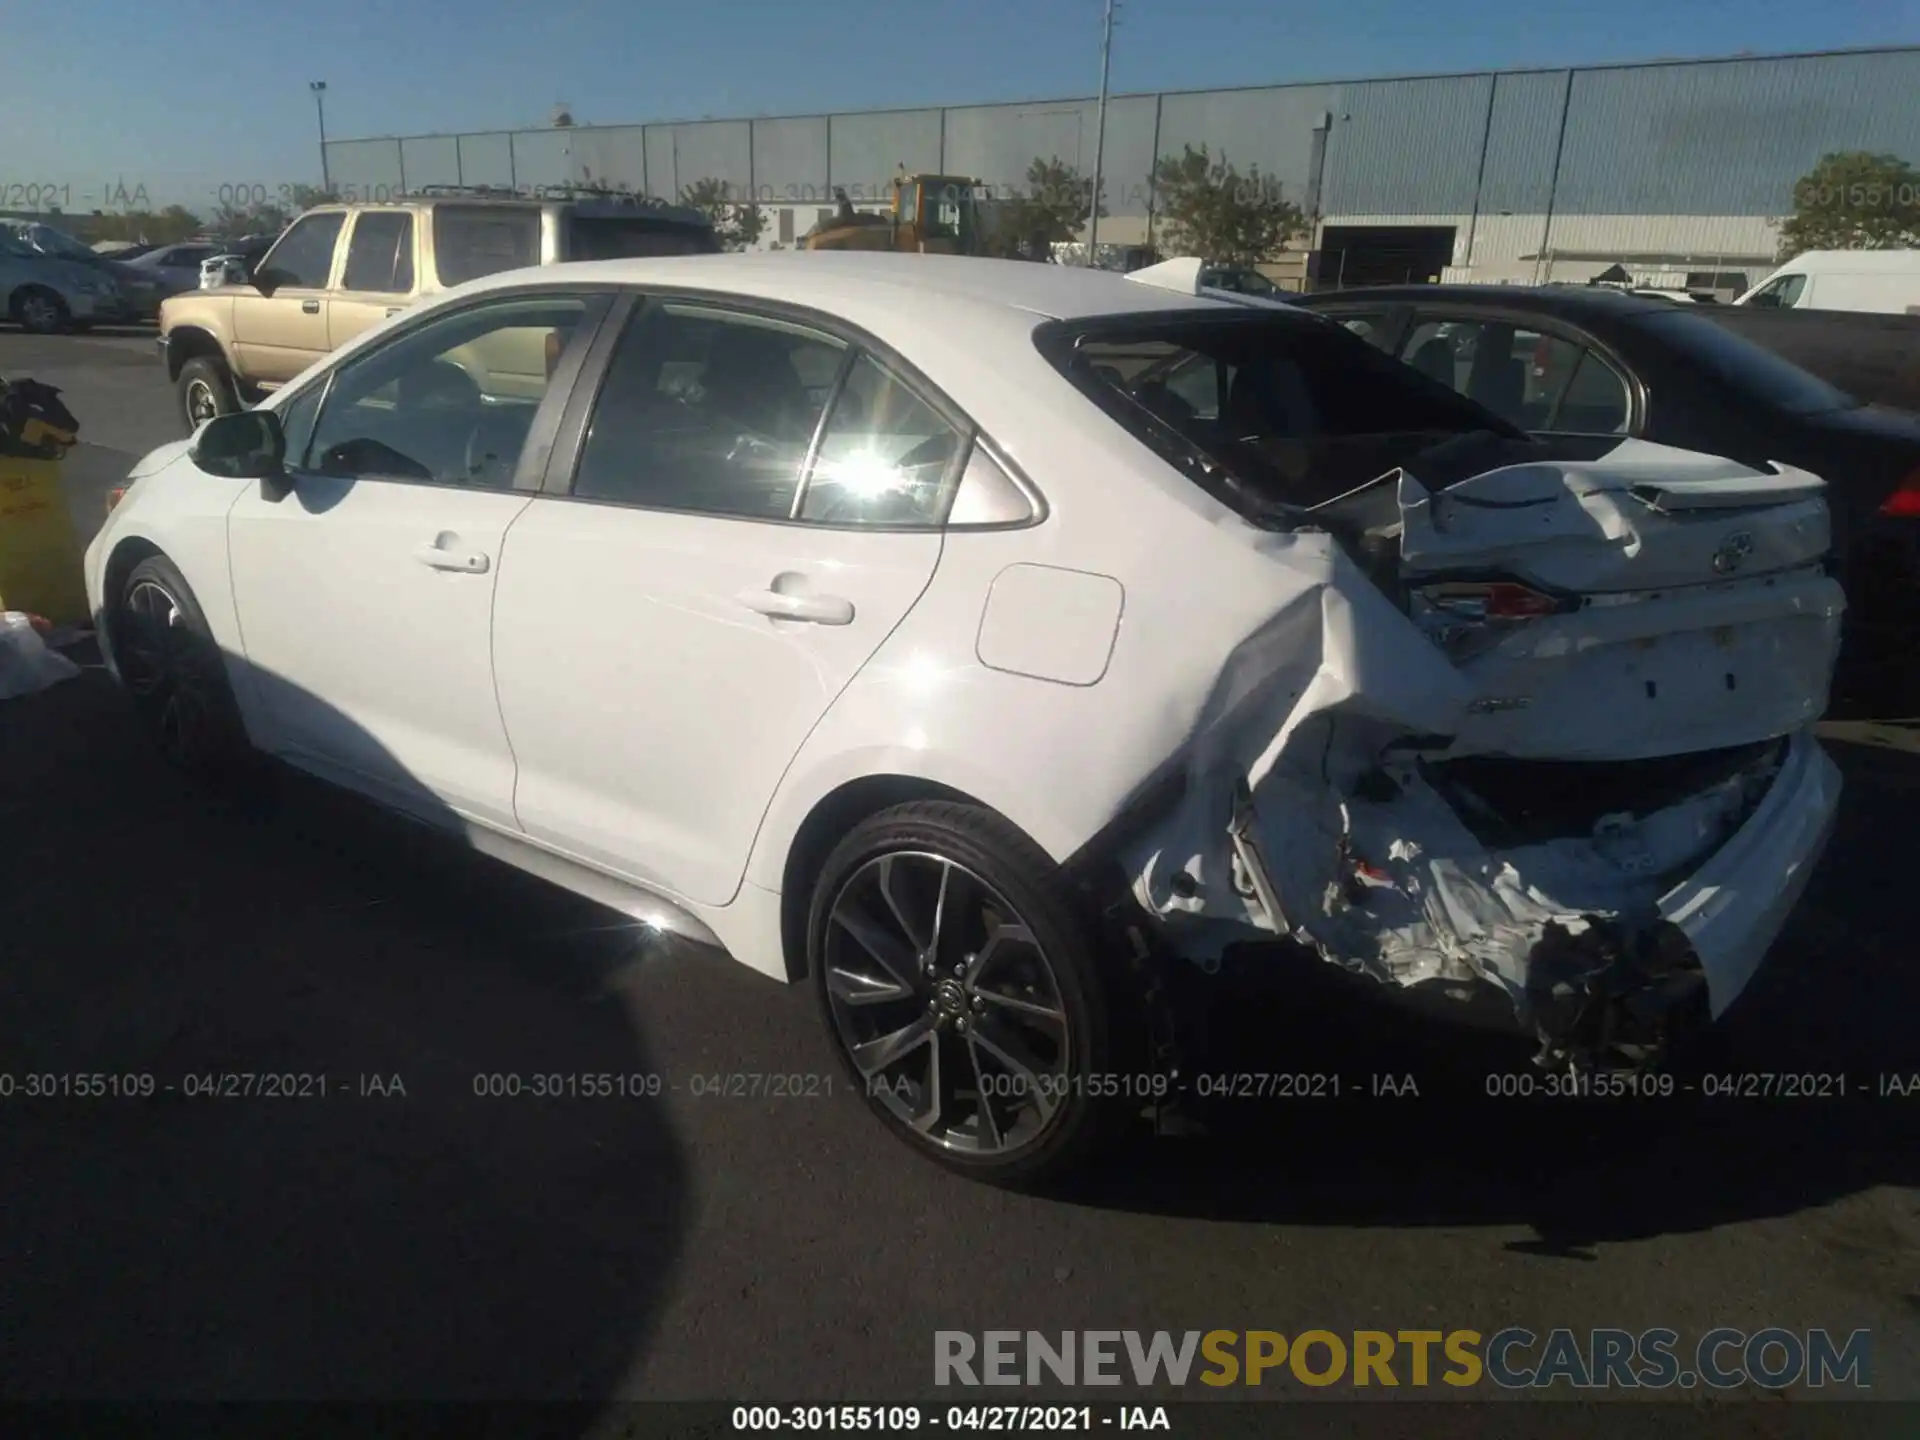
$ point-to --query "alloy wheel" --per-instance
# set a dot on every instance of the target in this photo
(160, 660)
(202, 406)
(947, 1004)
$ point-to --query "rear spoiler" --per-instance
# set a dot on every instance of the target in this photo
(1785, 484)
(1183, 276)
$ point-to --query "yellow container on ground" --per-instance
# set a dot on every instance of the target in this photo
(39, 551)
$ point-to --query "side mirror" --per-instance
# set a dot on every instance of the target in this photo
(264, 280)
(246, 445)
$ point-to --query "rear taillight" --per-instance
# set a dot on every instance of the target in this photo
(1904, 503)
(1493, 600)
(115, 496)
(1465, 618)
(1542, 354)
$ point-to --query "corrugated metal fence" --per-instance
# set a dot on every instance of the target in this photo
(1716, 137)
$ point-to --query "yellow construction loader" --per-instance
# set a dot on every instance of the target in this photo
(931, 215)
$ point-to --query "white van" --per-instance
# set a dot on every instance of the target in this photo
(1886, 282)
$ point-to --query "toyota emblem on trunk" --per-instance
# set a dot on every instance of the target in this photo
(1733, 552)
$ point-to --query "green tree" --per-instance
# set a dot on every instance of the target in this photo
(1055, 206)
(1854, 200)
(1210, 209)
(227, 221)
(174, 223)
(736, 225)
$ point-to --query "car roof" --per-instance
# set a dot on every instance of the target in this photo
(1572, 301)
(831, 280)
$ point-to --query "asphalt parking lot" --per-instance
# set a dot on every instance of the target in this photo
(406, 1238)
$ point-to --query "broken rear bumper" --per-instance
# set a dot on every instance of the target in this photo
(1732, 908)
(1577, 941)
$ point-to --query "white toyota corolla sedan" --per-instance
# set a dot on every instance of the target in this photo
(981, 643)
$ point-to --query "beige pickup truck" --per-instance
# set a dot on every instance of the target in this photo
(339, 269)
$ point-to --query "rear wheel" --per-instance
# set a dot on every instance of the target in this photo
(206, 390)
(175, 674)
(957, 979)
(40, 311)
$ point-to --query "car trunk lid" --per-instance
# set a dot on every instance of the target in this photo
(1651, 602)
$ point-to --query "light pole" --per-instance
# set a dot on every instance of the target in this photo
(1100, 136)
(319, 88)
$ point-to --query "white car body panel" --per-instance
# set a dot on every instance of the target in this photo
(652, 708)
(656, 738)
(371, 657)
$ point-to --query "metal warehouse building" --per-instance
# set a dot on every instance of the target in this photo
(1668, 169)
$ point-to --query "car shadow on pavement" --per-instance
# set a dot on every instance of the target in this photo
(1838, 996)
(254, 1145)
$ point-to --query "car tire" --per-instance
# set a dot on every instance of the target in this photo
(206, 390)
(935, 1020)
(39, 311)
(175, 674)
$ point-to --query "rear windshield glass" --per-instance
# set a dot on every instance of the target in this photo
(471, 240)
(608, 238)
(1268, 412)
(1745, 366)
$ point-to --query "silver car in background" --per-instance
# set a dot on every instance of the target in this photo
(130, 294)
(47, 295)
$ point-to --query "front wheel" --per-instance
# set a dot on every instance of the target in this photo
(957, 979)
(175, 674)
(40, 312)
(206, 390)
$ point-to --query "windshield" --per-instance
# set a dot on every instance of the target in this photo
(1269, 412)
(947, 205)
(625, 238)
(1749, 368)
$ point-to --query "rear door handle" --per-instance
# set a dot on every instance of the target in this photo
(435, 556)
(312, 307)
(820, 609)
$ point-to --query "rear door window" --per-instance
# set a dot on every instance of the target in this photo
(1531, 379)
(707, 410)
(380, 253)
(473, 240)
(885, 457)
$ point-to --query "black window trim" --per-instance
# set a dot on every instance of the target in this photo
(1556, 328)
(600, 301)
(570, 439)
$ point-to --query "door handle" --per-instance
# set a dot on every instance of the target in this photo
(312, 307)
(395, 309)
(820, 609)
(465, 562)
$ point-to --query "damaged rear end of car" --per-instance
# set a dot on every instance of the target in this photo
(1528, 727)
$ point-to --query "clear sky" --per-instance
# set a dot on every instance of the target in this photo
(183, 97)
